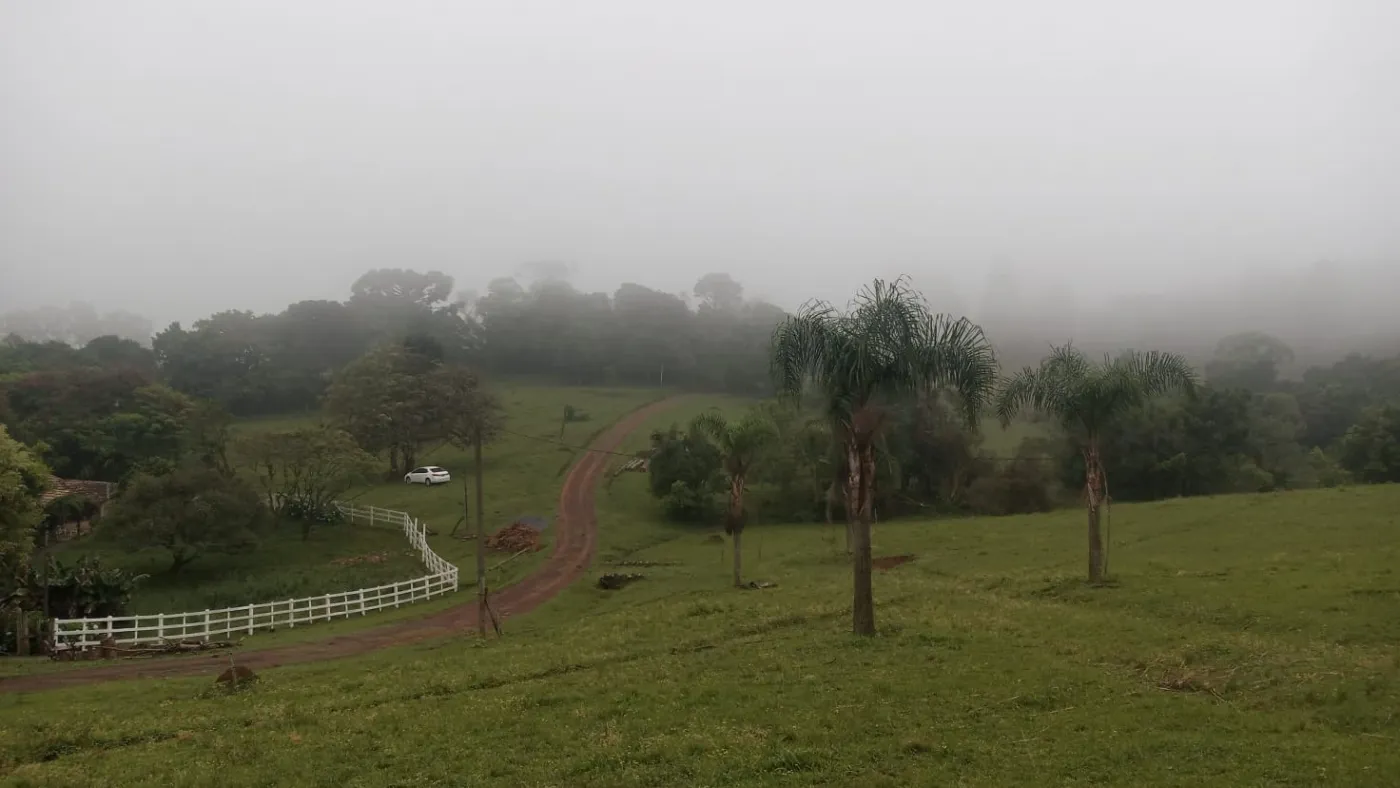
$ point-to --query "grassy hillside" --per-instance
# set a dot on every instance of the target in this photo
(523, 473)
(1249, 640)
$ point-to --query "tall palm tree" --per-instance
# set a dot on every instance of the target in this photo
(739, 444)
(886, 347)
(1086, 397)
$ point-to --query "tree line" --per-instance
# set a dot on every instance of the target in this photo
(266, 364)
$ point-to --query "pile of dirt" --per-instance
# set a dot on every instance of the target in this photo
(356, 560)
(891, 561)
(613, 580)
(515, 537)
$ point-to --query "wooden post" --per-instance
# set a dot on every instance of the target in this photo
(21, 632)
(480, 541)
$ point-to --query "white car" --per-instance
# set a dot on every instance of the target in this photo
(429, 475)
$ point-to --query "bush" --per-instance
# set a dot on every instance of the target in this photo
(1021, 486)
(684, 473)
(686, 503)
(310, 511)
(1024, 485)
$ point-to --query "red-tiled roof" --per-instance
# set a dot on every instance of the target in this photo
(58, 488)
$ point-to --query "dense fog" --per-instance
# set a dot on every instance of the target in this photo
(1114, 175)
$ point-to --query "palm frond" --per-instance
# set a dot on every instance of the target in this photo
(799, 347)
(1157, 373)
(886, 346)
(954, 353)
(1088, 394)
(1052, 388)
(712, 425)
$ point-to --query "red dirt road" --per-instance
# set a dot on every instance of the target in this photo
(575, 535)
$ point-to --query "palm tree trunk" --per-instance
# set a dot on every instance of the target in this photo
(861, 474)
(738, 558)
(1093, 498)
(736, 522)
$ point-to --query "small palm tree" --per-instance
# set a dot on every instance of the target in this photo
(885, 348)
(739, 444)
(1086, 397)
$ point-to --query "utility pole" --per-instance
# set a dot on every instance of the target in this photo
(480, 541)
(45, 635)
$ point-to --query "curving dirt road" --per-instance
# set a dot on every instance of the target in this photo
(573, 550)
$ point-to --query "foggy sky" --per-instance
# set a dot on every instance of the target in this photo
(177, 158)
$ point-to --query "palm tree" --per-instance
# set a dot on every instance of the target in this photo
(739, 444)
(1086, 397)
(886, 347)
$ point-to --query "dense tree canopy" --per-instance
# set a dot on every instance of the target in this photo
(1371, 447)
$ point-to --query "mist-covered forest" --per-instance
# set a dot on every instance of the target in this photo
(109, 406)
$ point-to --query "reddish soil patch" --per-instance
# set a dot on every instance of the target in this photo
(573, 550)
(891, 561)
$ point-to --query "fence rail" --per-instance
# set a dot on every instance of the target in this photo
(442, 578)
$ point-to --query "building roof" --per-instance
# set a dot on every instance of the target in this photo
(100, 492)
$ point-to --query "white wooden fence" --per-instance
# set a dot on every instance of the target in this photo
(247, 619)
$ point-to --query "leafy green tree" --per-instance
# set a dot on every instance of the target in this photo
(85, 588)
(1371, 448)
(719, 292)
(1250, 360)
(885, 348)
(386, 400)
(190, 512)
(684, 472)
(114, 351)
(470, 411)
(395, 399)
(740, 445)
(1086, 398)
(798, 463)
(23, 478)
(303, 472)
(226, 357)
(1175, 446)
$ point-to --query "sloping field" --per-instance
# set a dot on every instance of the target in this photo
(1250, 640)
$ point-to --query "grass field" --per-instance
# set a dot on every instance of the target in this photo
(1247, 640)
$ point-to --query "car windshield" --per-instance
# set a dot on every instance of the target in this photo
(435, 469)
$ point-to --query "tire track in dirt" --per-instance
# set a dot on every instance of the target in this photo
(574, 543)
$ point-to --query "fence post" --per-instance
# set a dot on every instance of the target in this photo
(160, 626)
(109, 627)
